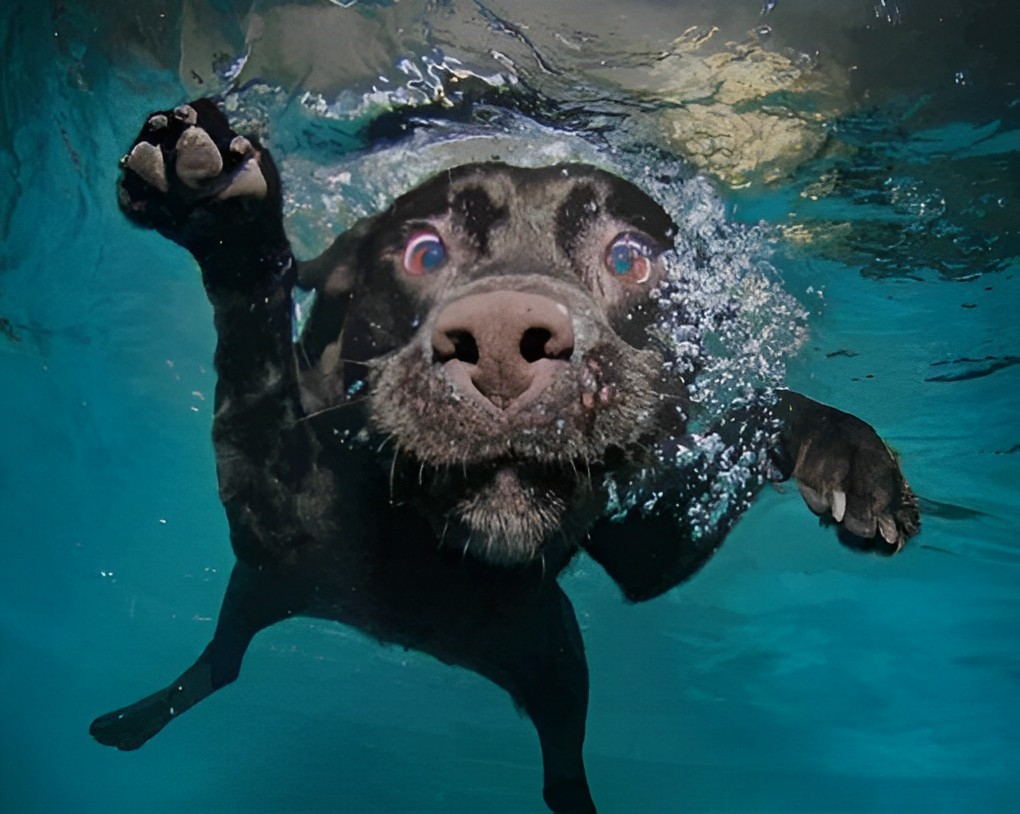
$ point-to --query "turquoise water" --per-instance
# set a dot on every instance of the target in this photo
(789, 675)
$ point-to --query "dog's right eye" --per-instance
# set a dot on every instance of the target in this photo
(630, 258)
(424, 253)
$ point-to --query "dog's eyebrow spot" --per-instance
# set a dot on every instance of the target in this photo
(475, 212)
(628, 203)
(574, 215)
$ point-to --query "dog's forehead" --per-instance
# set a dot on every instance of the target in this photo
(559, 201)
(530, 213)
(540, 188)
(561, 195)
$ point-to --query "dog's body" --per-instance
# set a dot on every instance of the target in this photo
(436, 448)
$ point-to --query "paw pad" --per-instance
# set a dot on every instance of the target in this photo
(198, 158)
(146, 160)
(186, 114)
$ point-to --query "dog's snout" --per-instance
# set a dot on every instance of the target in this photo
(503, 345)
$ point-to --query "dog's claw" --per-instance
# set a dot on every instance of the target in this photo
(838, 505)
(887, 528)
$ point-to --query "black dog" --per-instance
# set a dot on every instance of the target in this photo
(489, 332)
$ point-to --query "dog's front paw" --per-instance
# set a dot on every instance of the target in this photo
(187, 171)
(847, 474)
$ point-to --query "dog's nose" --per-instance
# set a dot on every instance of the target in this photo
(504, 345)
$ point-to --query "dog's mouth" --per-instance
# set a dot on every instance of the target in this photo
(504, 510)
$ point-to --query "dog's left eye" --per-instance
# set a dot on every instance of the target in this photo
(630, 258)
(424, 253)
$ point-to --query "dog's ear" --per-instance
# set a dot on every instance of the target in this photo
(335, 271)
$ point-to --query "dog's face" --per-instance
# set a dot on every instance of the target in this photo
(501, 317)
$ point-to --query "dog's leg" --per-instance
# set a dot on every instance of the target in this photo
(844, 471)
(190, 177)
(553, 690)
(538, 657)
(659, 543)
(253, 601)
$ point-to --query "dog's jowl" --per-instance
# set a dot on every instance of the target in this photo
(438, 445)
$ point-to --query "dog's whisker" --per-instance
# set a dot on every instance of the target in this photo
(331, 409)
(393, 470)
(361, 362)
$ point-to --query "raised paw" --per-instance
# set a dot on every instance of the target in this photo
(847, 475)
(186, 166)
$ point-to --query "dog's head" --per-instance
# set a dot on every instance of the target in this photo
(498, 318)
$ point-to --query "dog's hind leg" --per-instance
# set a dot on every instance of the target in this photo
(253, 601)
(536, 653)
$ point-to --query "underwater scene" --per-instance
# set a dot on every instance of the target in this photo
(839, 184)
